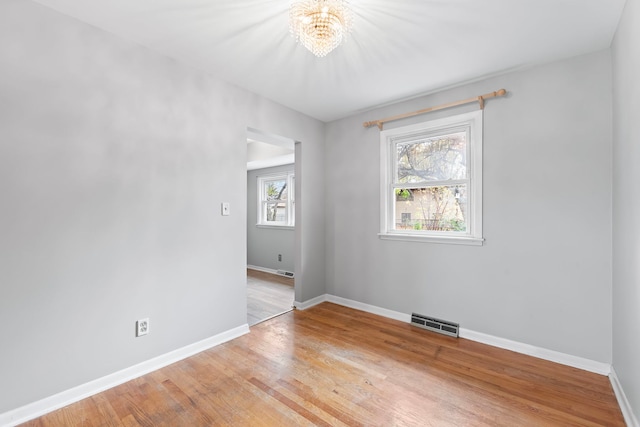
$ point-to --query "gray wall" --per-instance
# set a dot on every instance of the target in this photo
(626, 203)
(543, 276)
(264, 244)
(113, 164)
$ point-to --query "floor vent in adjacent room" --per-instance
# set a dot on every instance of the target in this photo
(435, 325)
(285, 273)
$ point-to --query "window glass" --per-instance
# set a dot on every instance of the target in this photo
(431, 186)
(275, 200)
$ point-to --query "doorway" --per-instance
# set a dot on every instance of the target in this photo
(270, 225)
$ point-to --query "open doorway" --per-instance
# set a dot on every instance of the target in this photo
(270, 225)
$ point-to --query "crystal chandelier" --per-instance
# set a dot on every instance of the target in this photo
(319, 25)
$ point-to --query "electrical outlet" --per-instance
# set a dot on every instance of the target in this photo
(279, 257)
(142, 327)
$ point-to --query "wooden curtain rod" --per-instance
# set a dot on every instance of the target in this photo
(479, 99)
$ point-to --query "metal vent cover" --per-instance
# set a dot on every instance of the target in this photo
(436, 325)
(285, 273)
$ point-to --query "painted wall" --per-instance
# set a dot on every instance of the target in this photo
(264, 244)
(626, 203)
(113, 163)
(543, 276)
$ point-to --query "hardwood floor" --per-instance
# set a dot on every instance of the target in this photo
(334, 366)
(267, 295)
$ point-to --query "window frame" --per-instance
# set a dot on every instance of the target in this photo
(472, 122)
(289, 177)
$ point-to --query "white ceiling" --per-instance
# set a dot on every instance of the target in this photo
(398, 49)
(261, 155)
(266, 150)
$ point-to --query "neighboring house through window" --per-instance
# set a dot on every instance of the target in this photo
(276, 200)
(431, 186)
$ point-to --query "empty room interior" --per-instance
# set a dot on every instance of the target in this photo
(448, 192)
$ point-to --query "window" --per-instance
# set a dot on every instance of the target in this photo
(276, 200)
(431, 185)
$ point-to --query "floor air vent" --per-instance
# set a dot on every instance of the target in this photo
(285, 273)
(435, 325)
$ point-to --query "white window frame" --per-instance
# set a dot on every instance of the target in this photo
(289, 222)
(472, 122)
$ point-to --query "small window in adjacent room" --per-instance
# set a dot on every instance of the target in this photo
(276, 200)
(431, 185)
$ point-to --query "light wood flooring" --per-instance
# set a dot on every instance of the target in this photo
(267, 295)
(334, 366)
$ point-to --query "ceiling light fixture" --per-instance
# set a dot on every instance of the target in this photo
(319, 25)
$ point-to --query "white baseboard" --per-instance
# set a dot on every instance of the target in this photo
(309, 303)
(518, 347)
(263, 269)
(396, 315)
(540, 353)
(67, 397)
(625, 407)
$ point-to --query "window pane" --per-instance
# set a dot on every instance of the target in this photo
(275, 212)
(439, 158)
(432, 209)
(275, 190)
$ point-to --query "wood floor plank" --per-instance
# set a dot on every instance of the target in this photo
(335, 366)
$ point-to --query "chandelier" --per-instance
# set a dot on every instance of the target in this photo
(319, 25)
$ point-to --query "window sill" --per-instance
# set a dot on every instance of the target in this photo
(276, 227)
(451, 240)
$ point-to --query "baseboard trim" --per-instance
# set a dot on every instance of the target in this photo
(518, 347)
(67, 397)
(539, 352)
(263, 269)
(625, 407)
(396, 315)
(309, 303)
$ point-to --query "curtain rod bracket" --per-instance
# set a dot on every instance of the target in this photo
(373, 123)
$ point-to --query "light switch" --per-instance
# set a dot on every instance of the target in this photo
(225, 208)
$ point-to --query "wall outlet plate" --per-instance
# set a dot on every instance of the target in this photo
(142, 327)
